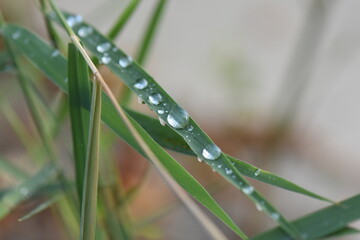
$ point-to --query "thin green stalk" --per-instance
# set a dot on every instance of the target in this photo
(89, 199)
(123, 19)
(54, 36)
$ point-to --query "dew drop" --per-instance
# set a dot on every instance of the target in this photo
(55, 53)
(162, 122)
(211, 152)
(275, 216)
(16, 35)
(160, 111)
(74, 20)
(85, 31)
(248, 190)
(220, 166)
(155, 99)
(258, 172)
(199, 159)
(140, 100)
(259, 207)
(228, 171)
(178, 118)
(124, 62)
(105, 59)
(103, 47)
(24, 191)
(141, 83)
(190, 128)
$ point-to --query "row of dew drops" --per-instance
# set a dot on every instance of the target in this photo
(177, 117)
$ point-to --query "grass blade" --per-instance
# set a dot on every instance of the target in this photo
(89, 198)
(79, 95)
(26, 189)
(320, 223)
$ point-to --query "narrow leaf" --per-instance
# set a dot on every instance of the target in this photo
(40, 208)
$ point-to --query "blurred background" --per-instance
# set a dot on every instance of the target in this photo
(272, 82)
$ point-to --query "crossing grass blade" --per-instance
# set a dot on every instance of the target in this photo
(26, 189)
(56, 67)
(79, 95)
(322, 222)
(43, 206)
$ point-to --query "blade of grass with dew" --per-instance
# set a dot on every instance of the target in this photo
(56, 68)
(123, 19)
(91, 177)
(41, 207)
(79, 95)
(320, 223)
(26, 189)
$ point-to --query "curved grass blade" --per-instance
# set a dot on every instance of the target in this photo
(320, 223)
(55, 68)
(40, 208)
(79, 95)
(91, 177)
(26, 189)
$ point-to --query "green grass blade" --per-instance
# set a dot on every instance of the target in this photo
(89, 198)
(55, 69)
(123, 19)
(40, 208)
(4, 61)
(320, 223)
(79, 95)
(342, 232)
(26, 189)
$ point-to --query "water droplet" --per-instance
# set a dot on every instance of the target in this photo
(16, 35)
(74, 20)
(85, 31)
(275, 216)
(140, 100)
(199, 159)
(178, 118)
(162, 122)
(248, 190)
(155, 99)
(228, 171)
(24, 191)
(55, 53)
(259, 207)
(141, 83)
(105, 59)
(190, 128)
(211, 152)
(103, 47)
(220, 166)
(258, 172)
(124, 62)
(160, 111)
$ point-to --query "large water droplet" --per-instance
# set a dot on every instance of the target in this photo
(160, 111)
(259, 207)
(228, 171)
(248, 190)
(74, 20)
(162, 122)
(85, 31)
(275, 216)
(258, 172)
(190, 128)
(141, 83)
(16, 35)
(178, 118)
(155, 99)
(124, 62)
(199, 159)
(103, 47)
(211, 152)
(105, 59)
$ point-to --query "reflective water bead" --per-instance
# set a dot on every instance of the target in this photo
(155, 99)
(178, 118)
(124, 62)
(85, 31)
(259, 207)
(140, 100)
(24, 191)
(199, 159)
(211, 152)
(248, 190)
(162, 122)
(103, 47)
(141, 83)
(74, 20)
(160, 111)
(228, 171)
(55, 53)
(258, 172)
(106, 59)
(190, 128)
(275, 216)
(220, 166)
(16, 35)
